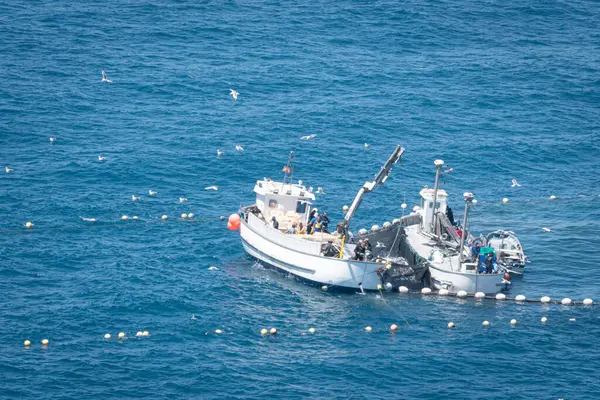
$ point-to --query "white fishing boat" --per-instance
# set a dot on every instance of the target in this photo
(508, 249)
(322, 258)
(452, 265)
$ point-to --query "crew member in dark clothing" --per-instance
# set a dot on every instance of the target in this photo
(329, 250)
(359, 251)
(325, 222)
(275, 223)
(450, 215)
(367, 245)
(489, 262)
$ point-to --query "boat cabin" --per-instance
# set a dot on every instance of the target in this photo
(288, 202)
(427, 210)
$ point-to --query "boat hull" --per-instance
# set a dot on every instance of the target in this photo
(332, 272)
(471, 283)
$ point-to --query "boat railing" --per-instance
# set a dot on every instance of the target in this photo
(286, 240)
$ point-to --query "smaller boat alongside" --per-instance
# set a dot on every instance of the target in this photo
(508, 248)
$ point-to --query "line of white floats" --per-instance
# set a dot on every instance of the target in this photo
(501, 296)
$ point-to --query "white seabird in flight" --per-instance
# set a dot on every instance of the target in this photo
(104, 78)
(233, 94)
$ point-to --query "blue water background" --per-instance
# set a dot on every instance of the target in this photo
(499, 90)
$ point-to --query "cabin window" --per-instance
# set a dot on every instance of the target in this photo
(301, 207)
(273, 203)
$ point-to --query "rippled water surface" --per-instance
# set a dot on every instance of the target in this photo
(499, 90)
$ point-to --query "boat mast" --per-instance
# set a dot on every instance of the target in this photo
(288, 170)
(438, 167)
(380, 179)
(468, 200)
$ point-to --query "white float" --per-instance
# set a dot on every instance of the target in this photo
(544, 320)
(403, 289)
(324, 288)
(513, 321)
(425, 290)
(505, 200)
(184, 216)
(107, 336)
(387, 224)
(263, 331)
(520, 297)
(388, 286)
(375, 228)
(479, 295)
(566, 301)
(461, 293)
(443, 292)
(164, 217)
(368, 329)
(588, 302)
(273, 331)
(552, 197)
(450, 325)
(27, 343)
(485, 323)
(312, 331)
(394, 327)
(45, 342)
(545, 299)
(500, 296)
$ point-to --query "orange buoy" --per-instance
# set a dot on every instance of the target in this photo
(234, 222)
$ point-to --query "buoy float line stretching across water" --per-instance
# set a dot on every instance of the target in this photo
(518, 298)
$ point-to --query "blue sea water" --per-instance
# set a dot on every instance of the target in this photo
(499, 90)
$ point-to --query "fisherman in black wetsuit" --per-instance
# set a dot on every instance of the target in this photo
(368, 250)
(489, 262)
(275, 222)
(359, 251)
(325, 222)
(329, 250)
(450, 215)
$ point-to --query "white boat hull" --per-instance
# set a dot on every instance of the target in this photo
(469, 282)
(328, 271)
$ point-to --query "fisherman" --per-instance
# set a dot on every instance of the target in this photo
(330, 250)
(311, 221)
(368, 250)
(339, 229)
(450, 215)
(301, 230)
(318, 225)
(275, 223)
(359, 251)
(489, 262)
(325, 220)
(313, 213)
(292, 230)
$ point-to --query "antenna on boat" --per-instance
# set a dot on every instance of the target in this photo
(288, 170)
(438, 167)
(468, 201)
